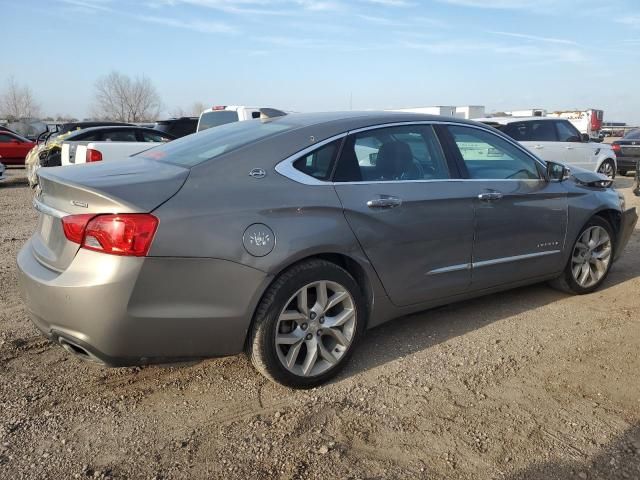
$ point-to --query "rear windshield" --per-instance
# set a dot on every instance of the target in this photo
(216, 118)
(203, 146)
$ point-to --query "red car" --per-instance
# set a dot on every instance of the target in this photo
(13, 148)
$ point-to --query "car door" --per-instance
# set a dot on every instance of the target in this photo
(9, 148)
(578, 153)
(411, 216)
(520, 217)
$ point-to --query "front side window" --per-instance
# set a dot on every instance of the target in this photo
(567, 132)
(487, 156)
(318, 164)
(408, 152)
(534, 131)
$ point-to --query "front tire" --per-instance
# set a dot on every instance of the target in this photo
(608, 168)
(591, 259)
(307, 324)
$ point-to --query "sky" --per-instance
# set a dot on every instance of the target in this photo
(307, 55)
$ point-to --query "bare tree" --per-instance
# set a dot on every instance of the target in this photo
(196, 109)
(119, 97)
(18, 101)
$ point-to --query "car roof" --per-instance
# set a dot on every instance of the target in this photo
(508, 120)
(109, 128)
(353, 119)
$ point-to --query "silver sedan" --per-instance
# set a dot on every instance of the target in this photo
(288, 237)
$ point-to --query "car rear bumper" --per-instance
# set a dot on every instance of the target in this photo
(627, 163)
(627, 225)
(123, 311)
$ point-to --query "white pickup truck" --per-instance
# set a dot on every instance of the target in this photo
(74, 153)
(220, 115)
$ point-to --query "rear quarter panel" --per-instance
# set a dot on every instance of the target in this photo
(209, 215)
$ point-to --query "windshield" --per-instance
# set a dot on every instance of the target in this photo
(216, 118)
(633, 135)
(194, 149)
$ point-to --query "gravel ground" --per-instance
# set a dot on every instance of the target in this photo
(525, 384)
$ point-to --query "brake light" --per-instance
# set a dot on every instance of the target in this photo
(93, 155)
(616, 148)
(128, 234)
(218, 107)
(74, 225)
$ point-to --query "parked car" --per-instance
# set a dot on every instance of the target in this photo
(48, 152)
(627, 151)
(178, 127)
(121, 141)
(279, 238)
(558, 140)
(221, 115)
(14, 148)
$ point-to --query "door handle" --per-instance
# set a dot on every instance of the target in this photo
(489, 196)
(569, 148)
(384, 202)
(538, 147)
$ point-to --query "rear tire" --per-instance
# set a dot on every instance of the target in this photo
(608, 168)
(302, 337)
(591, 259)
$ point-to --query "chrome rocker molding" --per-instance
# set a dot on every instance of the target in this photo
(488, 263)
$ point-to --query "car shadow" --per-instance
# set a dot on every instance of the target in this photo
(416, 332)
(619, 459)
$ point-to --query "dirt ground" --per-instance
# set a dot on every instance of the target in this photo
(526, 384)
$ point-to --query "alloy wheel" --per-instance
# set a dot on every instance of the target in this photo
(591, 256)
(606, 169)
(316, 328)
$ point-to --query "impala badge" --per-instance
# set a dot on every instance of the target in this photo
(79, 204)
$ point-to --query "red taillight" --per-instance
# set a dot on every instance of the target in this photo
(93, 155)
(74, 225)
(128, 234)
(616, 148)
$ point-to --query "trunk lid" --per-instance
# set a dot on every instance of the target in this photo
(136, 186)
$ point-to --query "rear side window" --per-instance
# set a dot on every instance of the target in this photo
(195, 149)
(408, 152)
(120, 136)
(539, 131)
(487, 156)
(217, 118)
(319, 163)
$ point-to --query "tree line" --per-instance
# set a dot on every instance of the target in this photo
(116, 96)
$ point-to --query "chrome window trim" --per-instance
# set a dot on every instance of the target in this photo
(46, 209)
(286, 168)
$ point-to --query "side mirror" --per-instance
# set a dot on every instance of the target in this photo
(556, 172)
(585, 137)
